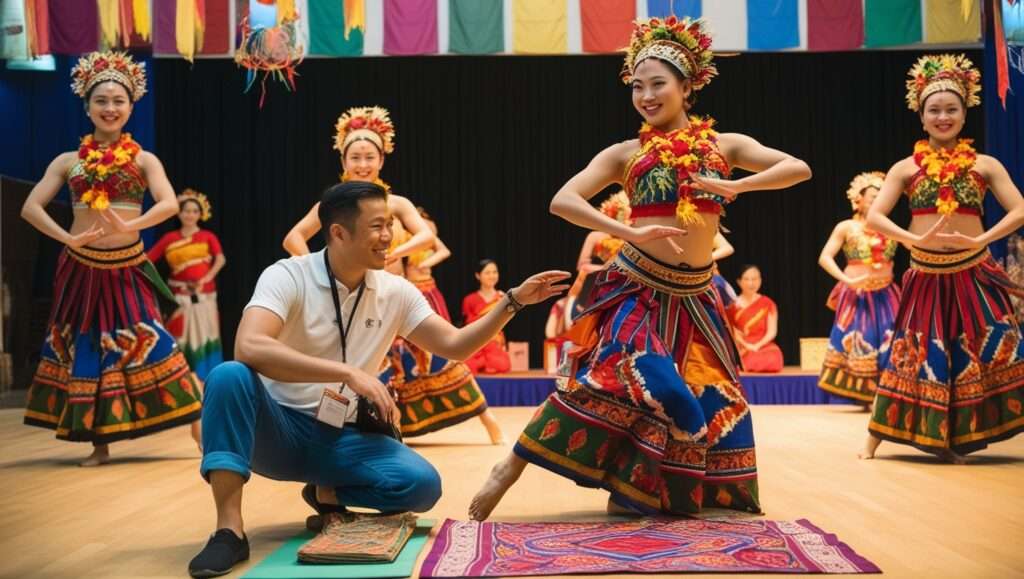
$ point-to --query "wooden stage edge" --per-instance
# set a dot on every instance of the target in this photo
(540, 373)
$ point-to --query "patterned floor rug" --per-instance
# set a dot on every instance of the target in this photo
(474, 549)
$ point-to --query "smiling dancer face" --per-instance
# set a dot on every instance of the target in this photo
(661, 94)
(362, 161)
(109, 106)
(943, 116)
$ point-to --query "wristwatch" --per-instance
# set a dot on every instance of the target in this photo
(512, 306)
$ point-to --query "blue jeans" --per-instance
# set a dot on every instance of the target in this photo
(245, 430)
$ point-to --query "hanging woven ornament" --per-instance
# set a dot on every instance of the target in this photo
(269, 47)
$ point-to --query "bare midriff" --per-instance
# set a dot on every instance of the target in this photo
(969, 225)
(85, 218)
(697, 244)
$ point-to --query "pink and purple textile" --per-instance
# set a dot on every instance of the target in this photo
(482, 549)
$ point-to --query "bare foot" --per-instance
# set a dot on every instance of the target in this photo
(493, 428)
(503, 475)
(614, 508)
(870, 446)
(100, 455)
(952, 457)
(197, 434)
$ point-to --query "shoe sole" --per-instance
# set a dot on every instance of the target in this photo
(203, 573)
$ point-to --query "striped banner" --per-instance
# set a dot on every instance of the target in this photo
(345, 28)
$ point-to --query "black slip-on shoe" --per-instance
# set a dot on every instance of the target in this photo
(222, 552)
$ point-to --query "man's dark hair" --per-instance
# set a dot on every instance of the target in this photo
(340, 204)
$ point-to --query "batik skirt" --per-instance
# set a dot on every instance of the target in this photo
(433, 392)
(861, 332)
(653, 411)
(953, 378)
(195, 325)
(108, 369)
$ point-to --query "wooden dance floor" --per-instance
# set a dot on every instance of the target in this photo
(148, 513)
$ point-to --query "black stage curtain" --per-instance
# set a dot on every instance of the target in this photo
(484, 142)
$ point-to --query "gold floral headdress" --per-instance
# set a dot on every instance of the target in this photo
(365, 123)
(97, 67)
(936, 73)
(861, 182)
(205, 212)
(683, 43)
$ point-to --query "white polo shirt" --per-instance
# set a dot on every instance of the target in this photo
(298, 290)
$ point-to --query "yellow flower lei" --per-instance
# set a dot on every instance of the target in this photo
(686, 150)
(943, 166)
(99, 163)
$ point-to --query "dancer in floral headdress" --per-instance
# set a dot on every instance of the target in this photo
(364, 136)
(653, 411)
(864, 299)
(953, 380)
(195, 258)
(109, 370)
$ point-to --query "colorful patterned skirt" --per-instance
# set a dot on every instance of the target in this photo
(654, 411)
(433, 392)
(953, 378)
(195, 325)
(861, 332)
(724, 290)
(109, 370)
(428, 287)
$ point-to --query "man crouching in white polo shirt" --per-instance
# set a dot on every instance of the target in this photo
(301, 402)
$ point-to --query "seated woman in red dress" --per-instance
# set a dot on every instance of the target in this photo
(755, 323)
(492, 358)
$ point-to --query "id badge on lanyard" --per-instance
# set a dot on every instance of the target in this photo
(333, 407)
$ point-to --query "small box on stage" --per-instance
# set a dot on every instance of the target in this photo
(519, 356)
(551, 356)
(812, 353)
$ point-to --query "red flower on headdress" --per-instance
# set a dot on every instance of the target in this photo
(100, 64)
(357, 123)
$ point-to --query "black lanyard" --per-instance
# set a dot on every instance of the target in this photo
(343, 330)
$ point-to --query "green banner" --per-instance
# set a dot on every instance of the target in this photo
(327, 30)
(892, 22)
(476, 26)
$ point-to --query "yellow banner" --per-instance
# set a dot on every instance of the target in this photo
(945, 22)
(540, 26)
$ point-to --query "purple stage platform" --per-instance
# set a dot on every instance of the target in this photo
(791, 386)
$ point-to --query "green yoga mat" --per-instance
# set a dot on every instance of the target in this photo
(283, 564)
